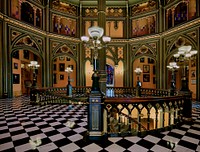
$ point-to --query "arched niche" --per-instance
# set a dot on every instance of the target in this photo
(191, 70)
(60, 77)
(22, 74)
(27, 13)
(148, 75)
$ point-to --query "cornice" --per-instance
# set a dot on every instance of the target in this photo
(38, 31)
(144, 38)
(182, 27)
(177, 29)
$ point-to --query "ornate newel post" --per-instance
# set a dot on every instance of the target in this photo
(95, 107)
(69, 86)
(172, 67)
(138, 71)
(33, 93)
(183, 56)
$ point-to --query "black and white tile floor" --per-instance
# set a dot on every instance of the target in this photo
(21, 123)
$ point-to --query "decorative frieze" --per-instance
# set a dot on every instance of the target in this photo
(64, 7)
(143, 7)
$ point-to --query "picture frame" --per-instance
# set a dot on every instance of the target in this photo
(142, 60)
(61, 77)
(16, 78)
(54, 78)
(154, 80)
(15, 65)
(193, 74)
(193, 63)
(62, 67)
(146, 78)
(193, 81)
(146, 69)
(54, 67)
(26, 54)
(16, 55)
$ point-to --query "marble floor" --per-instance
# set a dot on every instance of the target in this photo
(25, 127)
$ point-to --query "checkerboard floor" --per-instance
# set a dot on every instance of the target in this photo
(21, 123)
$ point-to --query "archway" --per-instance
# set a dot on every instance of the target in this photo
(22, 74)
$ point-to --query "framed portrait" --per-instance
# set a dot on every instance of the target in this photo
(62, 58)
(193, 81)
(142, 60)
(15, 65)
(193, 74)
(26, 54)
(154, 80)
(61, 67)
(61, 77)
(16, 78)
(146, 69)
(54, 67)
(54, 78)
(146, 78)
(16, 55)
(193, 63)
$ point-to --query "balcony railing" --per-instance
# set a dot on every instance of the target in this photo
(126, 114)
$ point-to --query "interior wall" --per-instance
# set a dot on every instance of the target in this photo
(59, 66)
(148, 75)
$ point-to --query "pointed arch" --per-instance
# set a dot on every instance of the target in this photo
(66, 50)
(26, 40)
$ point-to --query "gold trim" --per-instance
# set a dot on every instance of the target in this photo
(170, 31)
(95, 133)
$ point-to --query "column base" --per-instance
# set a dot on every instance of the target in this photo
(187, 120)
(95, 136)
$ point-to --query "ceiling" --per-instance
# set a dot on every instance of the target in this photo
(108, 2)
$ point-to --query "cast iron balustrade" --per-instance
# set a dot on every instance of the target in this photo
(126, 114)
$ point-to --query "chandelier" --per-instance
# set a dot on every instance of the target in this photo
(138, 71)
(34, 65)
(96, 39)
(185, 52)
(183, 55)
(172, 66)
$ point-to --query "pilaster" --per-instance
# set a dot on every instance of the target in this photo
(102, 52)
(5, 59)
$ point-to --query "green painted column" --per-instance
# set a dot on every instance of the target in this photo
(102, 52)
(1, 60)
(6, 76)
(198, 71)
(81, 54)
(47, 62)
(95, 106)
